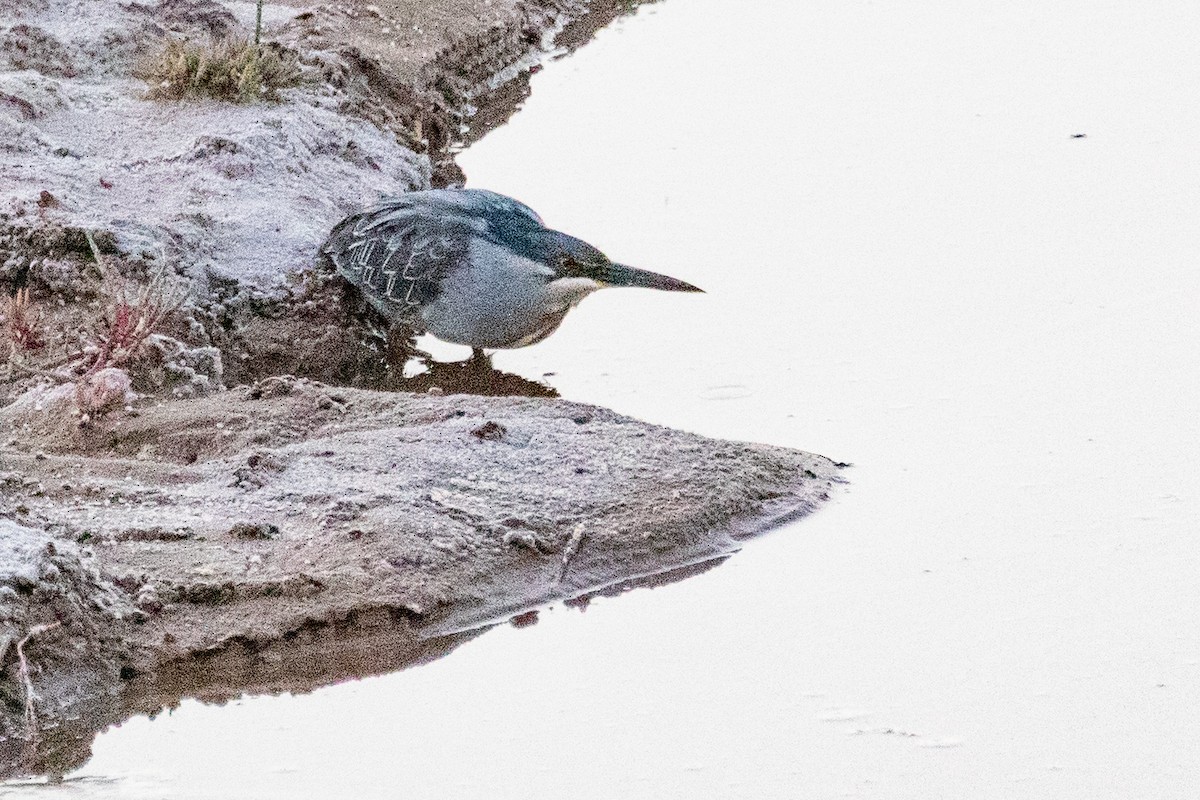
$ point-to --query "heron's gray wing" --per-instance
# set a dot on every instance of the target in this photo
(502, 205)
(397, 253)
(475, 203)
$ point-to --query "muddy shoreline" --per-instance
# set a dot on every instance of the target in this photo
(251, 510)
(272, 540)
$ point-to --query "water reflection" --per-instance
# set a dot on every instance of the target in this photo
(318, 655)
(495, 109)
(472, 376)
(222, 674)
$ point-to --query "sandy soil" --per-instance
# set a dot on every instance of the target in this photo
(202, 521)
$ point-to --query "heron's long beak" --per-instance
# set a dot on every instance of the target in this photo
(621, 275)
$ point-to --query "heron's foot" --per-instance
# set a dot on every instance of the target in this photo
(400, 347)
(480, 359)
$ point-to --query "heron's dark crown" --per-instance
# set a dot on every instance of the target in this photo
(565, 254)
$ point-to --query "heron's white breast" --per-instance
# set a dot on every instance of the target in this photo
(562, 293)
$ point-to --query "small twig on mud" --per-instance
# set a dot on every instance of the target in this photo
(26, 680)
(100, 263)
(570, 550)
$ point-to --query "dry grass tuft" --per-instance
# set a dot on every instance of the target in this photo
(133, 313)
(231, 70)
(116, 335)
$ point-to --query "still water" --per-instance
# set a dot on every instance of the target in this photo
(912, 264)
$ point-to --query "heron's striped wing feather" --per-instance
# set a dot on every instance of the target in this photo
(397, 255)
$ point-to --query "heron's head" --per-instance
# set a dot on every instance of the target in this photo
(572, 258)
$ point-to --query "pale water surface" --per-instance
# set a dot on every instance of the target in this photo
(911, 265)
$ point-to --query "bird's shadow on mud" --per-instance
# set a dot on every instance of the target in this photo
(473, 376)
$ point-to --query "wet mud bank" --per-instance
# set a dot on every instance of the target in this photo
(291, 533)
(203, 489)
